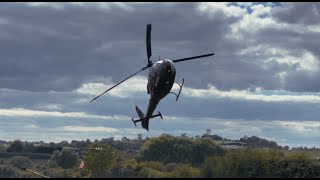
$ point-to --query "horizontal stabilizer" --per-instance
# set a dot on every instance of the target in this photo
(145, 120)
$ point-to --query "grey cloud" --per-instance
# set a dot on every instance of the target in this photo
(307, 13)
(58, 49)
(296, 44)
(52, 43)
(303, 81)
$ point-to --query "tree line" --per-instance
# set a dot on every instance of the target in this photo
(163, 156)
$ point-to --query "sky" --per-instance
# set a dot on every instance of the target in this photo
(262, 81)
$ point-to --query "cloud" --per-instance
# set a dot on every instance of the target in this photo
(33, 113)
(305, 13)
(75, 42)
(130, 87)
(292, 133)
(84, 44)
(64, 5)
(212, 7)
(138, 85)
(247, 95)
(89, 129)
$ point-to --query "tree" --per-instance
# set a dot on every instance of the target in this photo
(3, 147)
(88, 142)
(208, 131)
(238, 163)
(286, 148)
(100, 158)
(184, 135)
(29, 147)
(139, 137)
(170, 149)
(16, 146)
(67, 158)
(124, 139)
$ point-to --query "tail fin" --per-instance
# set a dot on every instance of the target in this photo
(139, 112)
(144, 123)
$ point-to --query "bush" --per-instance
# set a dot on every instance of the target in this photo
(260, 163)
(170, 167)
(67, 158)
(169, 149)
(20, 161)
(154, 165)
(54, 172)
(297, 165)
(185, 171)
(7, 172)
(16, 146)
(100, 159)
(151, 173)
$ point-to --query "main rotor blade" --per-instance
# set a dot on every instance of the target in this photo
(194, 57)
(117, 84)
(148, 41)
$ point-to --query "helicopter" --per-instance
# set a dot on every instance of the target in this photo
(160, 81)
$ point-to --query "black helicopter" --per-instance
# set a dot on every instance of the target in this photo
(160, 81)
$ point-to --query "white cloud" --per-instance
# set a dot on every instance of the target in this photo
(212, 7)
(128, 88)
(307, 61)
(98, 5)
(292, 133)
(34, 113)
(50, 107)
(248, 95)
(302, 126)
(252, 50)
(138, 85)
(245, 4)
(55, 5)
(89, 129)
(314, 28)
(260, 10)
(252, 23)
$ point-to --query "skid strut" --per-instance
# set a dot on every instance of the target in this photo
(177, 96)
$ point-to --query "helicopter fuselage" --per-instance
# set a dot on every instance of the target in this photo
(160, 81)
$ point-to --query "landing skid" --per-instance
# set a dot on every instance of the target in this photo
(177, 96)
(153, 116)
